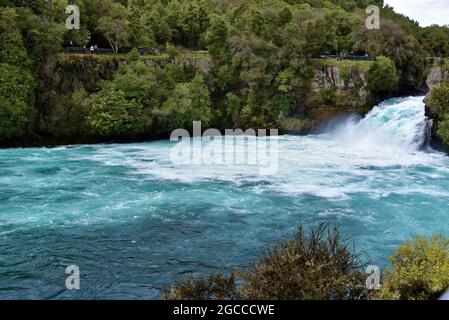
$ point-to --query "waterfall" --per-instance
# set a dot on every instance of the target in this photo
(397, 123)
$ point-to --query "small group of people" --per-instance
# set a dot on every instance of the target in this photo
(93, 49)
(343, 56)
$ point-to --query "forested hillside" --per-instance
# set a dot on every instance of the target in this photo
(261, 72)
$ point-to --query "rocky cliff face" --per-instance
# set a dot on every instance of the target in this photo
(438, 74)
(338, 87)
(348, 85)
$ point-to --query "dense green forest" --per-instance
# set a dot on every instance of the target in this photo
(261, 54)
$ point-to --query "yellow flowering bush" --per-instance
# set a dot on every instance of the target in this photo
(419, 270)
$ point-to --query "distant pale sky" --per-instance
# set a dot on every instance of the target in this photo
(427, 12)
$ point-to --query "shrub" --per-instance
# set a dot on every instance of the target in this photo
(419, 270)
(313, 265)
(189, 102)
(382, 77)
(215, 287)
(439, 99)
(443, 130)
(112, 115)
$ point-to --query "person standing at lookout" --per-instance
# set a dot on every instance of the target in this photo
(92, 49)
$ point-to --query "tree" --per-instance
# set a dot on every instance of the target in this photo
(112, 115)
(16, 82)
(435, 40)
(141, 33)
(394, 42)
(194, 19)
(257, 60)
(382, 77)
(42, 37)
(189, 102)
(217, 40)
(16, 101)
(137, 81)
(114, 26)
(301, 41)
(12, 50)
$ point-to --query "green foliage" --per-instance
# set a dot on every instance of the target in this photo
(393, 41)
(217, 39)
(435, 40)
(260, 59)
(112, 115)
(439, 103)
(443, 130)
(233, 108)
(189, 102)
(216, 287)
(12, 50)
(16, 81)
(296, 125)
(137, 81)
(114, 26)
(419, 270)
(439, 99)
(173, 52)
(382, 78)
(16, 102)
(315, 264)
(141, 33)
(68, 118)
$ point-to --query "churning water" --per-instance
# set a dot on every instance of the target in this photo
(134, 222)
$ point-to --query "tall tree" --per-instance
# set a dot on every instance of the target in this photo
(114, 26)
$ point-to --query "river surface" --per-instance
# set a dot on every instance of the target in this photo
(134, 222)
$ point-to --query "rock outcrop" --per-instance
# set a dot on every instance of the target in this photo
(338, 88)
(438, 74)
(348, 85)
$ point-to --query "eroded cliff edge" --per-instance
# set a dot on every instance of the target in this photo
(438, 74)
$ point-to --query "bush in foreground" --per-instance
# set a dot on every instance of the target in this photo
(314, 265)
(419, 270)
(318, 265)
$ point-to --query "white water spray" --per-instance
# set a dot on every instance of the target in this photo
(396, 123)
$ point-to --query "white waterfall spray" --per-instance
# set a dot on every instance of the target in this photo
(398, 123)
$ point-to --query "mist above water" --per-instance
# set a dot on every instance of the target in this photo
(395, 123)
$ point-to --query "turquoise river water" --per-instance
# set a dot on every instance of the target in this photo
(134, 222)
